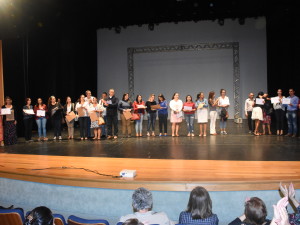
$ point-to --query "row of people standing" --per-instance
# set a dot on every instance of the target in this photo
(259, 113)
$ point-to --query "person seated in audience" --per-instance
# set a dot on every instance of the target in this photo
(132, 222)
(199, 209)
(142, 204)
(290, 193)
(255, 213)
(40, 216)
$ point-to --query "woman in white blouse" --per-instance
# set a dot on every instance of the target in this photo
(223, 104)
(279, 112)
(202, 113)
(82, 108)
(68, 108)
(176, 114)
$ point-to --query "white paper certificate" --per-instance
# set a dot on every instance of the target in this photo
(140, 106)
(275, 100)
(108, 102)
(190, 108)
(286, 101)
(29, 111)
(5, 111)
(41, 113)
(259, 101)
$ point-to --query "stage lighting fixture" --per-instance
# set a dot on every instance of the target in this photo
(221, 22)
(150, 26)
(118, 30)
(241, 21)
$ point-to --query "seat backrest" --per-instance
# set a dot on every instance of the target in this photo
(74, 220)
(59, 219)
(11, 217)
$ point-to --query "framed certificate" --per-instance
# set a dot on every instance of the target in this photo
(286, 101)
(260, 101)
(41, 113)
(28, 111)
(5, 111)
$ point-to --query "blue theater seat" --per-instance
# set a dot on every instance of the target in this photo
(74, 220)
(11, 217)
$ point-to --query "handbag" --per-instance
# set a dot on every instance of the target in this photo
(101, 121)
(135, 116)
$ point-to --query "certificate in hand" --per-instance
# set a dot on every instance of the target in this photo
(140, 106)
(81, 111)
(286, 101)
(190, 108)
(275, 100)
(153, 107)
(93, 116)
(41, 113)
(259, 101)
(127, 115)
(5, 111)
(109, 102)
(71, 116)
(28, 111)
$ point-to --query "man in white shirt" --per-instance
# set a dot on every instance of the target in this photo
(248, 111)
(142, 203)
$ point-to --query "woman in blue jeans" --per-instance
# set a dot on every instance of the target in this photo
(151, 115)
(189, 109)
(40, 110)
(163, 115)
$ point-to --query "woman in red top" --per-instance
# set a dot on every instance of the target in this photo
(40, 110)
(189, 109)
(139, 108)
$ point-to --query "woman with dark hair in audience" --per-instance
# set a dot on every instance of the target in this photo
(81, 108)
(28, 120)
(68, 108)
(163, 115)
(223, 104)
(176, 113)
(257, 113)
(40, 216)
(255, 213)
(151, 115)
(139, 108)
(279, 112)
(55, 112)
(41, 120)
(189, 109)
(199, 209)
(10, 123)
(125, 105)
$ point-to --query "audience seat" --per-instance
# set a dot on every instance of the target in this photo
(11, 217)
(59, 219)
(74, 220)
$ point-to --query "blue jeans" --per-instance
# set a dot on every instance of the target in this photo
(151, 121)
(189, 118)
(41, 124)
(292, 122)
(139, 124)
(223, 124)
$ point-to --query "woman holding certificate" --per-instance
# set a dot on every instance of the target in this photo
(40, 110)
(28, 115)
(81, 108)
(213, 103)
(202, 113)
(279, 111)
(176, 114)
(69, 109)
(151, 114)
(189, 109)
(162, 115)
(9, 122)
(139, 109)
(257, 113)
(55, 111)
(97, 109)
(125, 108)
(223, 104)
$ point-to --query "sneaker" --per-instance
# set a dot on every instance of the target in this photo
(221, 132)
(224, 132)
(54, 138)
(60, 138)
(160, 134)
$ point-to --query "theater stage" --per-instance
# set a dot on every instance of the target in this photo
(237, 161)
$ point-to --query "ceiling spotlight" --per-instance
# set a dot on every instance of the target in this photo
(241, 21)
(150, 26)
(118, 29)
(221, 22)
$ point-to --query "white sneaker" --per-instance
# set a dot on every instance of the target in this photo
(54, 138)
(59, 137)
(224, 132)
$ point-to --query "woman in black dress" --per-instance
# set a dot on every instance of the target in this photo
(10, 123)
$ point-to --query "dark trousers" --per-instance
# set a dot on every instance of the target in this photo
(83, 126)
(56, 125)
(103, 127)
(89, 127)
(279, 114)
(28, 128)
(250, 121)
(151, 121)
(112, 121)
(163, 122)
